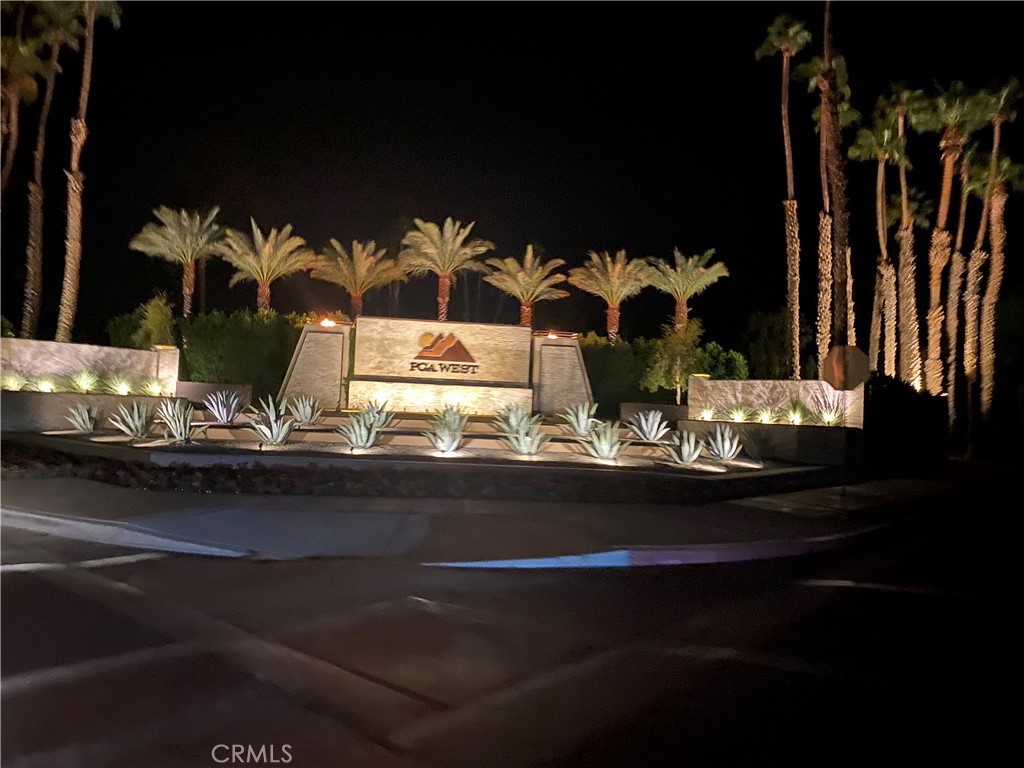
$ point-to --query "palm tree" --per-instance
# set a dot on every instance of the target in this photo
(445, 252)
(61, 27)
(181, 238)
(76, 179)
(788, 37)
(529, 282)
(690, 276)
(363, 271)
(264, 259)
(955, 113)
(614, 280)
(19, 64)
(881, 145)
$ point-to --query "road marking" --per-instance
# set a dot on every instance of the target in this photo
(849, 584)
(102, 562)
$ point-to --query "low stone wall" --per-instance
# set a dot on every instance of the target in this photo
(46, 411)
(410, 397)
(196, 391)
(35, 359)
(806, 444)
(720, 397)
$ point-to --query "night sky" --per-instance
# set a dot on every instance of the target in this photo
(592, 126)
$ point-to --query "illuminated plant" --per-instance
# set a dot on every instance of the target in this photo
(738, 414)
(830, 409)
(446, 428)
(528, 439)
(379, 412)
(361, 430)
(648, 425)
(306, 410)
(153, 388)
(119, 385)
(269, 422)
(14, 381)
(767, 416)
(136, 422)
(831, 416)
(797, 413)
(85, 381)
(722, 444)
(579, 418)
(224, 405)
(44, 385)
(512, 418)
(176, 416)
(707, 414)
(682, 447)
(83, 417)
(604, 441)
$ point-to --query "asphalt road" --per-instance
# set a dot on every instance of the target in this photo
(888, 653)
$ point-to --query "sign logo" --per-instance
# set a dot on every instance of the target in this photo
(443, 353)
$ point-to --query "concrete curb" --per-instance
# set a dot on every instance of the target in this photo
(103, 532)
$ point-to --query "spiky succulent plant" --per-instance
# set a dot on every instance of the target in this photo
(306, 410)
(379, 412)
(83, 417)
(14, 381)
(604, 441)
(176, 416)
(446, 428)
(224, 405)
(511, 419)
(361, 430)
(648, 425)
(135, 422)
(682, 447)
(579, 418)
(85, 381)
(269, 422)
(118, 385)
(722, 444)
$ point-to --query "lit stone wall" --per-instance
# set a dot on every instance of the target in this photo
(723, 396)
(417, 397)
(392, 348)
(45, 411)
(559, 375)
(32, 359)
(319, 365)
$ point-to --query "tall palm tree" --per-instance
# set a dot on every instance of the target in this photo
(264, 259)
(60, 26)
(613, 280)
(445, 251)
(788, 36)
(957, 266)
(689, 276)
(880, 144)
(76, 179)
(1008, 175)
(955, 114)
(360, 272)
(19, 64)
(528, 281)
(181, 238)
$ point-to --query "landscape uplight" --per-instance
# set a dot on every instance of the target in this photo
(327, 323)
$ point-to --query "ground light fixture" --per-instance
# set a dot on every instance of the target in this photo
(45, 385)
(794, 417)
(707, 414)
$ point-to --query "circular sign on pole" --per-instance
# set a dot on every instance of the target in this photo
(845, 368)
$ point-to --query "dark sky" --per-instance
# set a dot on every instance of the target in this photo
(586, 126)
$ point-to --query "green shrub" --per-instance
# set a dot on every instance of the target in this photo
(240, 348)
(6, 328)
(615, 372)
(721, 363)
(148, 325)
(122, 328)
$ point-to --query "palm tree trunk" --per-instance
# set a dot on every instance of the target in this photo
(824, 288)
(188, 287)
(201, 274)
(13, 97)
(786, 141)
(875, 337)
(526, 313)
(682, 314)
(972, 301)
(792, 279)
(890, 304)
(840, 218)
(910, 332)
(997, 224)
(444, 291)
(262, 297)
(34, 248)
(938, 258)
(851, 326)
(357, 304)
(612, 318)
(957, 266)
(878, 308)
(76, 186)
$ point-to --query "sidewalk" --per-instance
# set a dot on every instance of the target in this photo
(463, 533)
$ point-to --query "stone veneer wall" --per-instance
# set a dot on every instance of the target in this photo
(33, 358)
(722, 396)
(414, 397)
(319, 365)
(559, 374)
(45, 411)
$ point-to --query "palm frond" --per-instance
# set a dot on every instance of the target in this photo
(614, 280)
(530, 280)
(363, 270)
(689, 275)
(264, 258)
(181, 237)
(444, 250)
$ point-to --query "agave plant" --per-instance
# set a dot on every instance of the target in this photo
(723, 445)
(153, 388)
(797, 413)
(136, 422)
(379, 411)
(176, 416)
(83, 417)
(579, 418)
(118, 385)
(527, 439)
(361, 430)
(683, 447)
(85, 381)
(269, 423)
(14, 381)
(446, 428)
(648, 425)
(45, 384)
(604, 441)
(224, 405)
(739, 413)
(306, 410)
(767, 416)
(512, 418)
